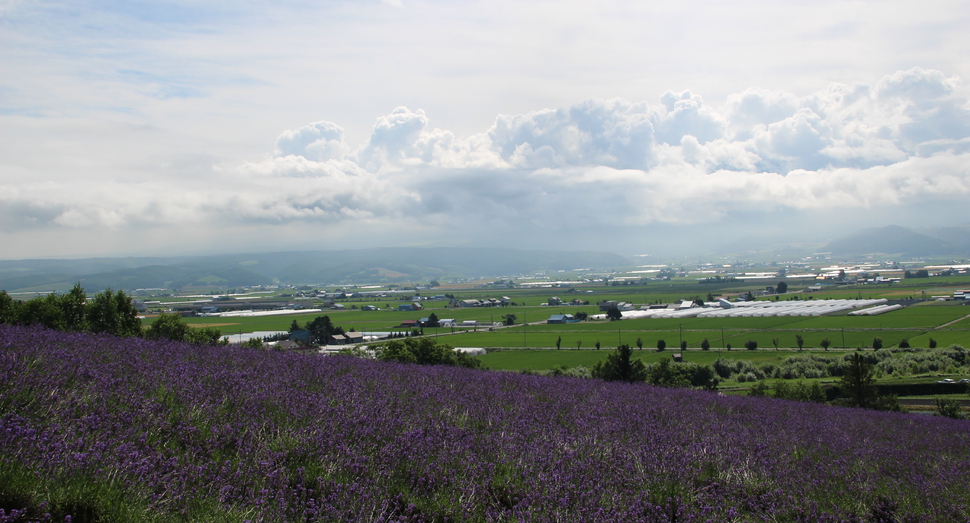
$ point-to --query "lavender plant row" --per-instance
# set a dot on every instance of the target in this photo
(122, 429)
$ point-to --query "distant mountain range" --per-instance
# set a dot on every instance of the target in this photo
(896, 240)
(403, 264)
(382, 265)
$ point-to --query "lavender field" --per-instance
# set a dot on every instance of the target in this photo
(124, 429)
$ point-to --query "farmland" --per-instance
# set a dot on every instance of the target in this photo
(946, 323)
(124, 429)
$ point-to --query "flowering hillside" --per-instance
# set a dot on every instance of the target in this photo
(123, 429)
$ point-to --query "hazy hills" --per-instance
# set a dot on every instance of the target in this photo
(896, 240)
(403, 264)
(314, 267)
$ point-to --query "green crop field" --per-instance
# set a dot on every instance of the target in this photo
(946, 323)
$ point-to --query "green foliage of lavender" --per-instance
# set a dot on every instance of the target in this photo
(127, 429)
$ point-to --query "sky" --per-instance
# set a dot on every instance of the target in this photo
(145, 128)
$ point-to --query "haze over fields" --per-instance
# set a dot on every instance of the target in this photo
(180, 128)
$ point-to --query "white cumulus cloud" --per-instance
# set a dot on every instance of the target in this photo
(541, 176)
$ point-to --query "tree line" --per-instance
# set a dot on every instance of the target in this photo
(108, 312)
(857, 385)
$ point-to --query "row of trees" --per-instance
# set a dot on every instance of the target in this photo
(753, 345)
(620, 366)
(107, 312)
(857, 384)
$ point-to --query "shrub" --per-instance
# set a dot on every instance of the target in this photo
(760, 389)
(948, 408)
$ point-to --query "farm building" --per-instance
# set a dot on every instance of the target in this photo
(561, 318)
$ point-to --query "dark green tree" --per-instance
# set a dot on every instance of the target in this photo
(433, 320)
(112, 313)
(664, 375)
(208, 336)
(661, 345)
(614, 314)
(857, 383)
(597, 344)
(683, 345)
(559, 342)
(73, 305)
(904, 343)
(932, 343)
(876, 343)
(619, 366)
(751, 345)
(397, 351)
(42, 310)
(168, 327)
(424, 351)
(781, 288)
(9, 309)
(825, 343)
(705, 345)
(171, 326)
(321, 328)
(509, 319)
(639, 344)
(799, 341)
